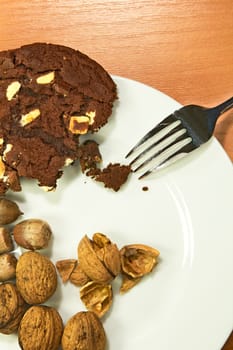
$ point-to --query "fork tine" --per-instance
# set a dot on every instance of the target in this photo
(159, 146)
(174, 150)
(163, 128)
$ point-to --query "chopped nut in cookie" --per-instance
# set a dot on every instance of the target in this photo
(46, 78)
(12, 90)
(79, 124)
(29, 117)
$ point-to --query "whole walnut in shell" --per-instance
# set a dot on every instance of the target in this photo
(12, 308)
(40, 329)
(36, 277)
(84, 331)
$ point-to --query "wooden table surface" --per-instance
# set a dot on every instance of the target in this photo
(181, 47)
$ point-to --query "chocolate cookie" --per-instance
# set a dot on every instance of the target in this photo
(49, 96)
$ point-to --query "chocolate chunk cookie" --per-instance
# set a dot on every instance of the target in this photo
(49, 96)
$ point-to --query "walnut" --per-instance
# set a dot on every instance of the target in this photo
(97, 297)
(12, 308)
(84, 331)
(36, 277)
(99, 258)
(41, 328)
(138, 260)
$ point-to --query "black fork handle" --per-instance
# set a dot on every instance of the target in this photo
(215, 112)
(223, 107)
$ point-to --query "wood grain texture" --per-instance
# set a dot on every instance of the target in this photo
(181, 47)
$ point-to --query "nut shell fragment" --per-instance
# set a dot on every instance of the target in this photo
(97, 297)
(40, 329)
(65, 268)
(128, 283)
(78, 276)
(138, 260)
(12, 308)
(84, 331)
(36, 277)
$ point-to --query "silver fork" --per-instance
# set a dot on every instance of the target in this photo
(175, 136)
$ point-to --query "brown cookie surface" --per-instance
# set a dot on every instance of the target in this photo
(49, 96)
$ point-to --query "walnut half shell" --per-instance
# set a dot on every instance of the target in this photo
(97, 297)
(137, 260)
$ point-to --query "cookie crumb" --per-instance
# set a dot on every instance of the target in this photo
(145, 188)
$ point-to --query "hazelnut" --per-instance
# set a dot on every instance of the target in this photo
(46, 78)
(6, 243)
(32, 234)
(84, 331)
(9, 211)
(40, 328)
(8, 264)
(29, 117)
(36, 277)
(12, 90)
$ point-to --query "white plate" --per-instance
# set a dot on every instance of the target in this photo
(186, 303)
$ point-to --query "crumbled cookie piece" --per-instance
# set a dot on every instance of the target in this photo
(113, 176)
(89, 155)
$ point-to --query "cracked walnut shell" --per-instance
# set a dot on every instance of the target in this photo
(84, 331)
(99, 258)
(97, 297)
(12, 308)
(138, 260)
(40, 329)
(36, 277)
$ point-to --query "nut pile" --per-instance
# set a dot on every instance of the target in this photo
(27, 284)
(99, 262)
